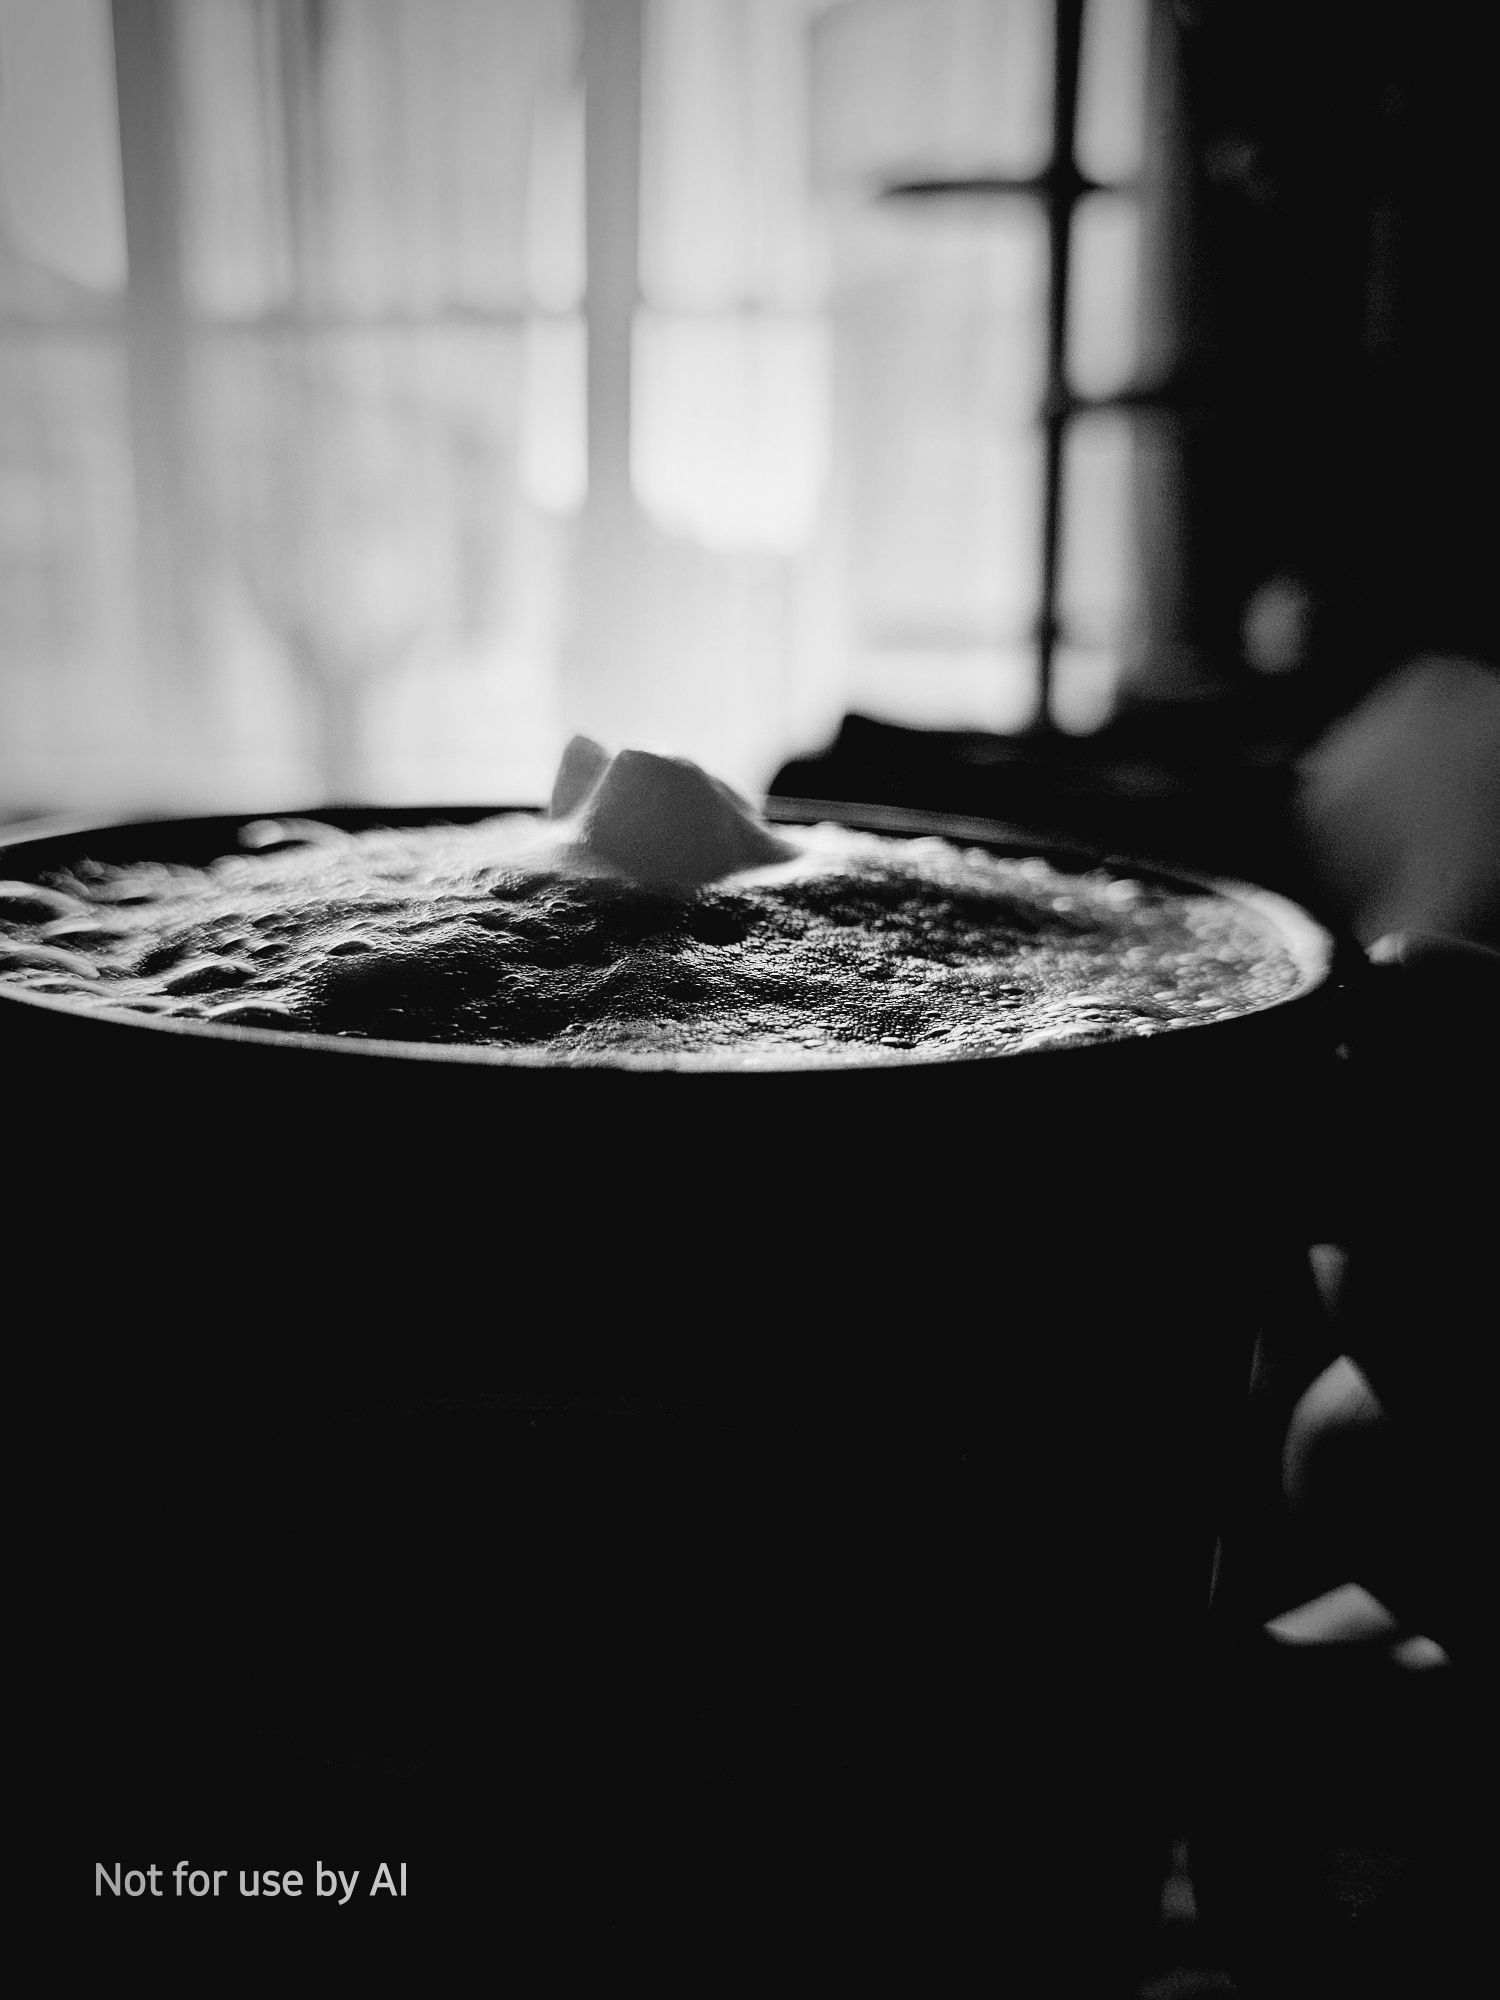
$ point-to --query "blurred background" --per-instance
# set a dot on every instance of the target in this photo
(1057, 408)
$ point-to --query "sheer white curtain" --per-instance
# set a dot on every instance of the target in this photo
(487, 369)
(382, 274)
(330, 424)
(352, 537)
(698, 614)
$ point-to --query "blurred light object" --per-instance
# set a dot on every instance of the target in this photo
(730, 390)
(1399, 805)
(342, 499)
(1110, 140)
(65, 556)
(1084, 687)
(694, 615)
(1103, 329)
(931, 89)
(1098, 557)
(726, 214)
(237, 236)
(965, 272)
(59, 142)
(373, 159)
(1277, 627)
(552, 446)
(70, 694)
(938, 320)
(555, 275)
(729, 443)
(963, 687)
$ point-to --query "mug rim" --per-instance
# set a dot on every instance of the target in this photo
(1312, 948)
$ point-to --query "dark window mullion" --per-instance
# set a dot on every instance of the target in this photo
(1063, 185)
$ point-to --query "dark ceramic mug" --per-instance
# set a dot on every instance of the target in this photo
(883, 1494)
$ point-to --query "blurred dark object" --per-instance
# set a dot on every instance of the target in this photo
(1390, 821)
(1399, 807)
(1207, 786)
(1417, 1310)
(1334, 1855)
(1337, 378)
(1334, 1844)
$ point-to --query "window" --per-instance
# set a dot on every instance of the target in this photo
(680, 370)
